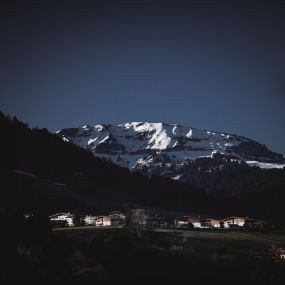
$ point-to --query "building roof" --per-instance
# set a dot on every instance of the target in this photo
(234, 218)
(60, 214)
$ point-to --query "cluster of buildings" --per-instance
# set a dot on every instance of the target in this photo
(67, 219)
(147, 219)
(227, 223)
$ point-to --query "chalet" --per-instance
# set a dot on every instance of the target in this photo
(195, 222)
(62, 218)
(117, 218)
(215, 223)
(99, 221)
(232, 222)
(210, 223)
(103, 221)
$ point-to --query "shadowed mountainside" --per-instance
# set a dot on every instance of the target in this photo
(36, 164)
(41, 172)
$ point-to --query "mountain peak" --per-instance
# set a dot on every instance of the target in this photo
(159, 147)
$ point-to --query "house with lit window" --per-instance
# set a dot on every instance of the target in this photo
(195, 222)
(232, 222)
(210, 223)
(103, 221)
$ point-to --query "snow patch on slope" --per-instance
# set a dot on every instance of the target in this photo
(265, 165)
(153, 146)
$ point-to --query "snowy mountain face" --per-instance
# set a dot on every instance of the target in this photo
(165, 149)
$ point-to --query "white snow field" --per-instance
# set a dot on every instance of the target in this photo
(138, 145)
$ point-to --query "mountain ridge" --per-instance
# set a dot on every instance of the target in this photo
(165, 149)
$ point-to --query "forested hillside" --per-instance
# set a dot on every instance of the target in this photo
(41, 172)
(84, 181)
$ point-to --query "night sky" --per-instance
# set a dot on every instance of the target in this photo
(216, 65)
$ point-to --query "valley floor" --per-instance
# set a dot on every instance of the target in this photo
(110, 255)
(269, 237)
(200, 242)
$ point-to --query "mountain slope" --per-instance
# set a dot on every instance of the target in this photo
(40, 172)
(165, 149)
(35, 164)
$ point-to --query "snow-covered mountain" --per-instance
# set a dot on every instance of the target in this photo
(158, 148)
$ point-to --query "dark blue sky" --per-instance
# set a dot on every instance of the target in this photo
(217, 65)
